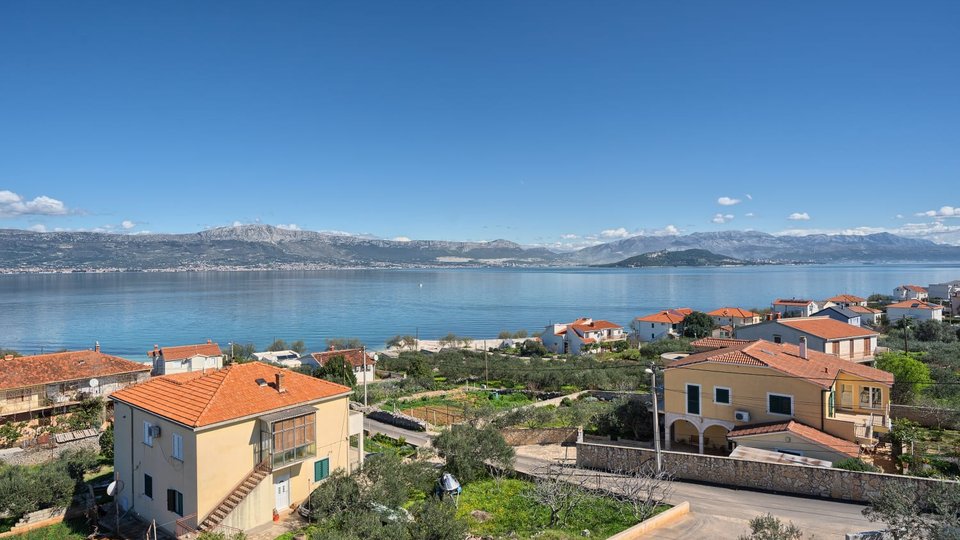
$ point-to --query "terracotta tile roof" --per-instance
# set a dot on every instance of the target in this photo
(914, 288)
(590, 340)
(736, 312)
(791, 302)
(915, 304)
(864, 309)
(40, 369)
(846, 299)
(818, 368)
(827, 328)
(594, 326)
(186, 351)
(712, 343)
(353, 356)
(198, 399)
(669, 316)
(801, 430)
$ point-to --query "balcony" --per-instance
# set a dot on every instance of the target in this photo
(858, 427)
(290, 437)
(294, 455)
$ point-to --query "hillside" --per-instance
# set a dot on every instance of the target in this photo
(685, 257)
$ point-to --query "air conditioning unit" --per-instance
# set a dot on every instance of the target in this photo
(155, 432)
(741, 416)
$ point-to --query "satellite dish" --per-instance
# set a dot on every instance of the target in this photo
(94, 383)
(115, 487)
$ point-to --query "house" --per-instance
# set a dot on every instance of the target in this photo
(186, 358)
(822, 333)
(222, 450)
(290, 359)
(45, 384)
(583, 333)
(944, 291)
(845, 300)
(794, 307)
(354, 357)
(661, 325)
(733, 316)
(910, 292)
(723, 331)
(868, 315)
(917, 310)
(839, 313)
(774, 396)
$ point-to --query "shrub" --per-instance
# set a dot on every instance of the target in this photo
(767, 527)
(467, 450)
(79, 462)
(10, 433)
(437, 520)
(106, 442)
(855, 464)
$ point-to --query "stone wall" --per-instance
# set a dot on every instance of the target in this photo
(525, 437)
(793, 479)
(927, 416)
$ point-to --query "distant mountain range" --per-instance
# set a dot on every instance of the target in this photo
(264, 246)
(684, 257)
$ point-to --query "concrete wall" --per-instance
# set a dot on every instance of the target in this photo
(794, 479)
(524, 437)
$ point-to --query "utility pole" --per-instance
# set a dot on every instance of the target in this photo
(906, 347)
(363, 352)
(486, 367)
(656, 415)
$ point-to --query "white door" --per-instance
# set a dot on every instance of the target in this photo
(281, 486)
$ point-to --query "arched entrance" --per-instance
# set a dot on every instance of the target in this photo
(684, 432)
(715, 439)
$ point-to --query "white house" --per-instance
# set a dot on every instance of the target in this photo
(661, 325)
(910, 292)
(868, 315)
(794, 307)
(288, 358)
(354, 357)
(844, 300)
(572, 338)
(944, 291)
(917, 310)
(186, 358)
(733, 316)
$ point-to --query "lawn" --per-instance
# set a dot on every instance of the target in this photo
(68, 530)
(512, 515)
(381, 443)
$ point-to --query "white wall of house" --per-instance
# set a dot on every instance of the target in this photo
(895, 314)
(197, 362)
(796, 311)
(655, 331)
(903, 293)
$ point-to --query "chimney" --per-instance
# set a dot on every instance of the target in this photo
(331, 348)
(209, 341)
(803, 347)
(8, 357)
(279, 380)
(97, 346)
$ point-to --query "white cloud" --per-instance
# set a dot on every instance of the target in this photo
(619, 232)
(288, 227)
(569, 236)
(400, 239)
(944, 211)
(899, 216)
(39, 227)
(12, 205)
(728, 201)
(237, 224)
(722, 218)
(127, 224)
(749, 197)
(799, 216)
(749, 214)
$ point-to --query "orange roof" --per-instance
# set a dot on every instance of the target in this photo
(915, 304)
(914, 288)
(199, 399)
(23, 371)
(186, 351)
(827, 328)
(669, 316)
(792, 302)
(800, 430)
(736, 312)
(818, 368)
(594, 325)
(846, 298)
(864, 309)
(353, 356)
(712, 343)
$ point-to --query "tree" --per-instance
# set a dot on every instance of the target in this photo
(468, 450)
(278, 345)
(910, 376)
(340, 344)
(558, 489)
(419, 368)
(298, 347)
(437, 520)
(505, 334)
(643, 489)
(767, 527)
(402, 342)
(242, 353)
(903, 432)
(697, 325)
(855, 464)
(520, 334)
(533, 347)
(338, 494)
(106, 442)
(338, 370)
(925, 513)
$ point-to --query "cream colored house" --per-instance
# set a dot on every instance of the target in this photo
(776, 397)
(733, 316)
(223, 450)
(186, 358)
(823, 334)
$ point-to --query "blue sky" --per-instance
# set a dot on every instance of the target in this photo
(552, 123)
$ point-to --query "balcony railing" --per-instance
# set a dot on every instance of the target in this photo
(293, 455)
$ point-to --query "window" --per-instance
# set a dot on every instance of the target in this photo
(831, 404)
(790, 452)
(846, 396)
(693, 399)
(147, 435)
(175, 502)
(294, 439)
(780, 404)
(652, 325)
(871, 397)
(177, 446)
(19, 396)
(721, 395)
(777, 338)
(148, 486)
(321, 469)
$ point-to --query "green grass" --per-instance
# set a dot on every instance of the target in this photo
(382, 443)
(68, 530)
(512, 513)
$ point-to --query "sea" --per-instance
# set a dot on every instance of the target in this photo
(128, 313)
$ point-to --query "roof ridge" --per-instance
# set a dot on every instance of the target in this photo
(226, 373)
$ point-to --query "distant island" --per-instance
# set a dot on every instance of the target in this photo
(684, 257)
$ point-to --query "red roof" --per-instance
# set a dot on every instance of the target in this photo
(791, 302)
(199, 399)
(827, 328)
(800, 430)
(846, 299)
(353, 356)
(818, 368)
(864, 309)
(914, 288)
(735, 312)
(915, 304)
(712, 343)
(23, 371)
(594, 326)
(181, 352)
(669, 316)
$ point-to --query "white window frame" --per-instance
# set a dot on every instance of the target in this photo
(177, 453)
(686, 400)
(147, 437)
(792, 404)
(729, 396)
(870, 389)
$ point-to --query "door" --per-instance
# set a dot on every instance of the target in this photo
(281, 487)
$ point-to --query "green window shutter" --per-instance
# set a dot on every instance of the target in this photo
(321, 469)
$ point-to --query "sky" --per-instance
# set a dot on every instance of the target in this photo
(551, 123)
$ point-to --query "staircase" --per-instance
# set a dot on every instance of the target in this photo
(235, 497)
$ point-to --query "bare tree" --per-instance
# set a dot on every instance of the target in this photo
(559, 489)
(643, 488)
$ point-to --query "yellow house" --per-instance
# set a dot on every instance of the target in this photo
(223, 450)
(774, 396)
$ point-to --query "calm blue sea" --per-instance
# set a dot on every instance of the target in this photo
(129, 313)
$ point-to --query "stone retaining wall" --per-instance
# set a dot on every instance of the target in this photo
(526, 437)
(804, 480)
